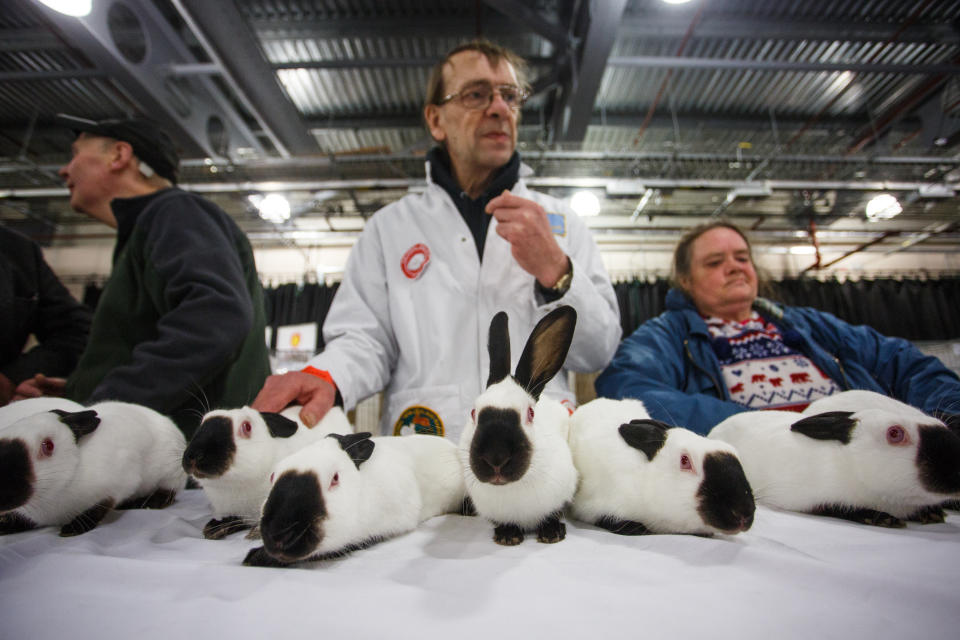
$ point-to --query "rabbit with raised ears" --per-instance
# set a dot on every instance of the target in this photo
(347, 492)
(233, 451)
(872, 465)
(516, 461)
(71, 468)
(639, 475)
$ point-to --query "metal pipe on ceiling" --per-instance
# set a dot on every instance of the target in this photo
(559, 181)
(739, 64)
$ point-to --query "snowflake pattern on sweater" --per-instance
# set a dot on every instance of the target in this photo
(761, 371)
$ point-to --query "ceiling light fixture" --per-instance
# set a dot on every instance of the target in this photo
(76, 8)
(883, 207)
(272, 207)
(585, 203)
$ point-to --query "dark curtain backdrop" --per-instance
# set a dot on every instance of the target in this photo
(913, 309)
(296, 304)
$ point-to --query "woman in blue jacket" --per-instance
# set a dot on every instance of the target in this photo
(719, 349)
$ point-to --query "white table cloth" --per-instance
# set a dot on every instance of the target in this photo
(149, 574)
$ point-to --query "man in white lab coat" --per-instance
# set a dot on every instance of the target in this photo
(425, 278)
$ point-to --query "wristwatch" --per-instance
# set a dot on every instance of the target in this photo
(563, 284)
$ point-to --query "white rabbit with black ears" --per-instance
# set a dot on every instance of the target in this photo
(70, 468)
(347, 492)
(232, 452)
(640, 476)
(517, 465)
(861, 457)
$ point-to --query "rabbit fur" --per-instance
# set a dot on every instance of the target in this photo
(345, 493)
(233, 451)
(517, 465)
(638, 475)
(71, 468)
(864, 457)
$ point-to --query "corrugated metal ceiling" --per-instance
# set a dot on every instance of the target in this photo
(822, 98)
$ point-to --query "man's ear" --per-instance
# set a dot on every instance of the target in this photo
(121, 155)
(431, 115)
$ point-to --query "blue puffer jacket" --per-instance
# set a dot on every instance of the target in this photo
(669, 364)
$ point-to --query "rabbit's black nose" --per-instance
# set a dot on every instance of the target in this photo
(496, 464)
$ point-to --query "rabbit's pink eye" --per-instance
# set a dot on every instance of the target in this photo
(46, 448)
(685, 463)
(246, 428)
(335, 480)
(896, 434)
(473, 415)
(529, 414)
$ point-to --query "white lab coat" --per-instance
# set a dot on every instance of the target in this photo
(422, 338)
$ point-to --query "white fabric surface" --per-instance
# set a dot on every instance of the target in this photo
(149, 574)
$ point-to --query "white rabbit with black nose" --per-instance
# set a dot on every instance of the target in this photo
(71, 468)
(347, 492)
(232, 452)
(871, 465)
(639, 475)
(517, 465)
(857, 399)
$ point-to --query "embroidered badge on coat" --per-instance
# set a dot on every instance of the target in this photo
(558, 223)
(421, 420)
(415, 260)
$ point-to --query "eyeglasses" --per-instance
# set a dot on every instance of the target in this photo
(480, 96)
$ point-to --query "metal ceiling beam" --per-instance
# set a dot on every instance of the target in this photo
(190, 108)
(232, 45)
(733, 64)
(366, 63)
(21, 40)
(533, 20)
(10, 165)
(534, 181)
(50, 74)
(273, 29)
(603, 17)
(686, 121)
(645, 27)
(755, 28)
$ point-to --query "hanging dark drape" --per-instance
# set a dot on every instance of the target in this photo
(914, 309)
(296, 304)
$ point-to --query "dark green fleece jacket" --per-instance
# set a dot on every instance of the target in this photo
(180, 325)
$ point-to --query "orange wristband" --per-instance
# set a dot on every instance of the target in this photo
(323, 375)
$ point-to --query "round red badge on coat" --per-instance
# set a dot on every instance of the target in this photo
(415, 260)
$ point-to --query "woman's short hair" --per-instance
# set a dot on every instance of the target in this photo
(683, 252)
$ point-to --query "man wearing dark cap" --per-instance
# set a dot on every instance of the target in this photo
(180, 325)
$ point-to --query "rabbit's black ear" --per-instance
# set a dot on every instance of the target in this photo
(832, 425)
(546, 349)
(647, 435)
(358, 446)
(80, 422)
(278, 425)
(498, 347)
